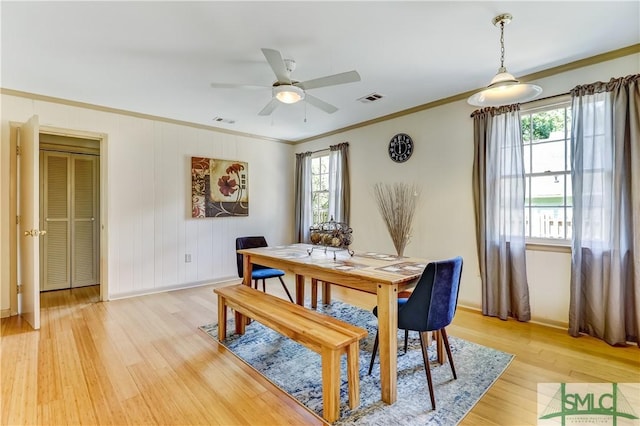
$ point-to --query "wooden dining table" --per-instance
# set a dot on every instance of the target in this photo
(377, 273)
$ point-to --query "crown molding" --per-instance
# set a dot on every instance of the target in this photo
(37, 97)
(603, 57)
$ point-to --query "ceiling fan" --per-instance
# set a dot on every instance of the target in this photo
(289, 91)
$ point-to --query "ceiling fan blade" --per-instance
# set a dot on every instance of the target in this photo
(319, 103)
(277, 65)
(237, 86)
(268, 109)
(330, 80)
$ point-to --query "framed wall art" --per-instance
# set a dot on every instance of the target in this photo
(219, 188)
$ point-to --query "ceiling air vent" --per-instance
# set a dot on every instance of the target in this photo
(370, 98)
(223, 120)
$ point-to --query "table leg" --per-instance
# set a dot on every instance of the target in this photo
(247, 269)
(241, 322)
(300, 290)
(326, 292)
(388, 341)
(439, 346)
(314, 293)
(222, 318)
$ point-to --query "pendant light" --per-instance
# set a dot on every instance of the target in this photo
(504, 89)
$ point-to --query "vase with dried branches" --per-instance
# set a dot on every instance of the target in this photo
(397, 204)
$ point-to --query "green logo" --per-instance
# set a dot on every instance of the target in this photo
(587, 403)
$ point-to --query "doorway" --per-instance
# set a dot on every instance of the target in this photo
(24, 205)
(69, 212)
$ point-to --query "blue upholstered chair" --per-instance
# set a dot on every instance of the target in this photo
(430, 307)
(258, 272)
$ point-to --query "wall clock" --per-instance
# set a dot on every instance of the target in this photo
(400, 147)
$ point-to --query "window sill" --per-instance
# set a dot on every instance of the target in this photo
(549, 245)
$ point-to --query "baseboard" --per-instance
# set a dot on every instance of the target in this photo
(540, 321)
(550, 323)
(127, 295)
(5, 313)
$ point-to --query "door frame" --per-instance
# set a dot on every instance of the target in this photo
(103, 225)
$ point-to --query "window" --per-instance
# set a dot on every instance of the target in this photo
(546, 136)
(320, 187)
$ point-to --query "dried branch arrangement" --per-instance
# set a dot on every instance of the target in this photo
(397, 204)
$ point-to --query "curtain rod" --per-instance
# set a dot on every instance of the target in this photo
(312, 152)
(325, 149)
(529, 102)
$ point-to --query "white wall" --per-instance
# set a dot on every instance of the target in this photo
(150, 228)
(442, 164)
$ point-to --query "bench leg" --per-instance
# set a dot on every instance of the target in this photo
(222, 318)
(353, 374)
(330, 384)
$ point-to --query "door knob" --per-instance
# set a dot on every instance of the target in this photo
(34, 233)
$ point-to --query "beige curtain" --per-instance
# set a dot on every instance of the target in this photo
(339, 185)
(499, 194)
(605, 266)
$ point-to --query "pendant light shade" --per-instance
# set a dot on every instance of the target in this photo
(504, 89)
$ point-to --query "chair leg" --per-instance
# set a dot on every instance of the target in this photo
(255, 284)
(448, 348)
(264, 287)
(373, 354)
(406, 338)
(424, 338)
(285, 289)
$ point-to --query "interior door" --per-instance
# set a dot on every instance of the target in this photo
(28, 228)
(55, 271)
(84, 268)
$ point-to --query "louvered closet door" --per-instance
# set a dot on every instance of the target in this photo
(70, 204)
(56, 199)
(84, 261)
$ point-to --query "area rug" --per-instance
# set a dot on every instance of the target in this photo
(297, 370)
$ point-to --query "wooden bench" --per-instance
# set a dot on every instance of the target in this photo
(321, 333)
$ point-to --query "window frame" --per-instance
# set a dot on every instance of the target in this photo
(541, 243)
(316, 155)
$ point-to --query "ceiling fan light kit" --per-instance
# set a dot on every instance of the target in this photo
(288, 94)
(504, 88)
(288, 91)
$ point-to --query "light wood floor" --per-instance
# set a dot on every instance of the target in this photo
(143, 361)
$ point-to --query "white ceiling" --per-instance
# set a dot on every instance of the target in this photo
(159, 58)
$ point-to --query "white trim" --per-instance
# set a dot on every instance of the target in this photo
(184, 286)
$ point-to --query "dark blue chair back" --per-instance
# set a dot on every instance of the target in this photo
(433, 302)
(248, 243)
